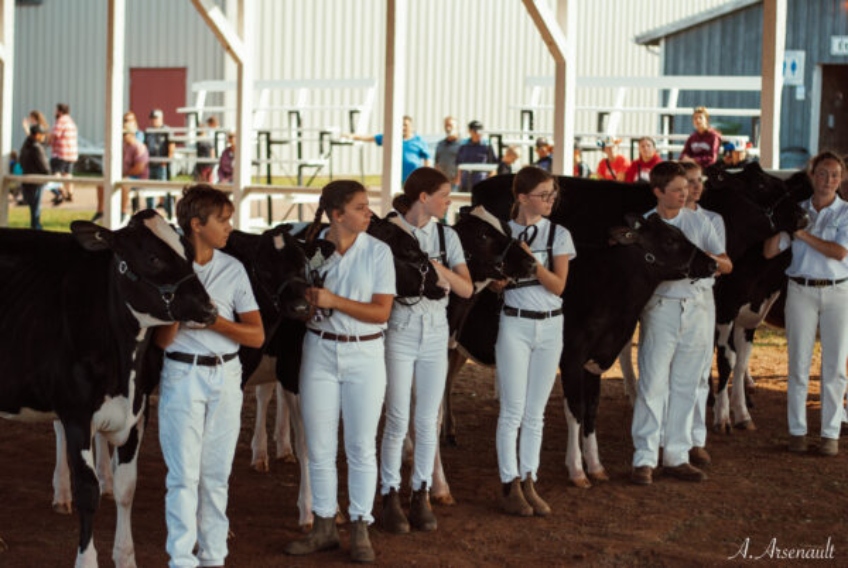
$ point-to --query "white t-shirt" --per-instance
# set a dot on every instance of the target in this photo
(538, 298)
(365, 269)
(428, 239)
(226, 282)
(701, 232)
(829, 224)
(718, 225)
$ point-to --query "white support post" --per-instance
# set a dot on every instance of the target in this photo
(7, 78)
(113, 136)
(393, 96)
(221, 27)
(550, 27)
(774, 38)
(244, 111)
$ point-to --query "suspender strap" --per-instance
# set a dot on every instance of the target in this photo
(443, 255)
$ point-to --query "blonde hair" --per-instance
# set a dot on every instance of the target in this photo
(702, 110)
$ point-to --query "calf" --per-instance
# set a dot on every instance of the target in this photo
(91, 298)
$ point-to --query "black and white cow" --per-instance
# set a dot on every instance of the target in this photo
(81, 307)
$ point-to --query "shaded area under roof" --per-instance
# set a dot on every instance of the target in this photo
(653, 37)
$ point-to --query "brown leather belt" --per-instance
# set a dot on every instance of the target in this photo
(346, 338)
(530, 314)
(204, 360)
(817, 282)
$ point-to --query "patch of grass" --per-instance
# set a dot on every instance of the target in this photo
(51, 219)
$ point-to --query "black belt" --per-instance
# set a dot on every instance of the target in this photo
(530, 314)
(204, 360)
(346, 338)
(817, 282)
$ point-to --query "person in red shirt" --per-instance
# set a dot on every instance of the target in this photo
(613, 166)
(702, 146)
(640, 169)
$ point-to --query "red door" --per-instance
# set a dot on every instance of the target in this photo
(158, 87)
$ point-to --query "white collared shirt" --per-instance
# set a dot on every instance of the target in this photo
(538, 298)
(428, 239)
(718, 225)
(365, 269)
(700, 232)
(829, 224)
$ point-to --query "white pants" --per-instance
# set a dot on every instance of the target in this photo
(699, 421)
(416, 354)
(349, 378)
(809, 308)
(199, 422)
(674, 346)
(527, 354)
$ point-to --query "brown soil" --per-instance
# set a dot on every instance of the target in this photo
(756, 492)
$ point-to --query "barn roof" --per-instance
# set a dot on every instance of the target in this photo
(653, 37)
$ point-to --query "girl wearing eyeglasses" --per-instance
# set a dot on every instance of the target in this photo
(530, 341)
(817, 298)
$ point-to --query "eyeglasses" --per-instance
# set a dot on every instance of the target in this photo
(824, 174)
(546, 196)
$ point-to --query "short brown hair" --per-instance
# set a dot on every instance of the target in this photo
(689, 165)
(826, 155)
(663, 173)
(200, 201)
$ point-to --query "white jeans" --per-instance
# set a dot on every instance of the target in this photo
(199, 422)
(416, 354)
(674, 346)
(527, 354)
(809, 308)
(349, 378)
(699, 421)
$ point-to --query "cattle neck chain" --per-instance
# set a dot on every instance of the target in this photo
(166, 291)
(768, 210)
(316, 280)
(423, 269)
(651, 259)
(275, 297)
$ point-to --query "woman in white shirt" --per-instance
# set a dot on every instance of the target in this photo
(343, 368)
(530, 341)
(417, 347)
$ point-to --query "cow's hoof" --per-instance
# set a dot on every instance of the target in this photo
(745, 425)
(231, 536)
(107, 494)
(306, 528)
(261, 466)
(288, 457)
(582, 482)
(599, 476)
(723, 428)
(446, 499)
(63, 508)
(340, 518)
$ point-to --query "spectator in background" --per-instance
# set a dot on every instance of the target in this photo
(34, 161)
(581, 168)
(475, 150)
(703, 144)
(447, 149)
(511, 155)
(415, 150)
(613, 166)
(159, 145)
(228, 157)
(735, 155)
(35, 117)
(205, 149)
(544, 150)
(136, 163)
(63, 145)
(640, 169)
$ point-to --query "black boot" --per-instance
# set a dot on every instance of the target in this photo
(421, 515)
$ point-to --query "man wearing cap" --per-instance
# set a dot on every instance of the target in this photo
(415, 150)
(159, 147)
(473, 151)
(614, 165)
(735, 155)
(33, 160)
(546, 159)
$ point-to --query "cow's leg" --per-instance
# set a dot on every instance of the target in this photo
(62, 499)
(725, 361)
(625, 360)
(455, 362)
(573, 456)
(103, 458)
(86, 487)
(259, 444)
(282, 428)
(125, 464)
(440, 491)
(304, 496)
(743, 340)
(592, 396)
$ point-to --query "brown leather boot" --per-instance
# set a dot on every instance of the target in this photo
(421, 515)
(360, 544)
(392, 519)
(512, 500)
(540, 508)
(323, 536)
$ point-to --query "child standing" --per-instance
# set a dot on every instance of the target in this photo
(200, 394)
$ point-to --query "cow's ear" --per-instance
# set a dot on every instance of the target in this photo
(623, 235)
(326, 247)
(464, 211)
(753, 168)
(634, 221)
(91, 236)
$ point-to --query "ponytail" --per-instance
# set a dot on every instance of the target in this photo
(402, 203)
(315, 228)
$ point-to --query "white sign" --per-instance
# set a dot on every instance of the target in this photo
(793, 67)
(839, 45)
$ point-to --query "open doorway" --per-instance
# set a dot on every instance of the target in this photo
(833, 117)
(158, 87)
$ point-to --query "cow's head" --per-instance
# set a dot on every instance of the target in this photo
(153, 269)
(754, 205)
(665, 250)
(490, 250)
(414, 276)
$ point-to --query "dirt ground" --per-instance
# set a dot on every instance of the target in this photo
(757, 495)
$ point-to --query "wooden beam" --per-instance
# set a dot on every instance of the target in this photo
(774, 39)
(246, 22)
(113, 135)
(222, 28)
(549, 27)
(393, 96)
(7, 81)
